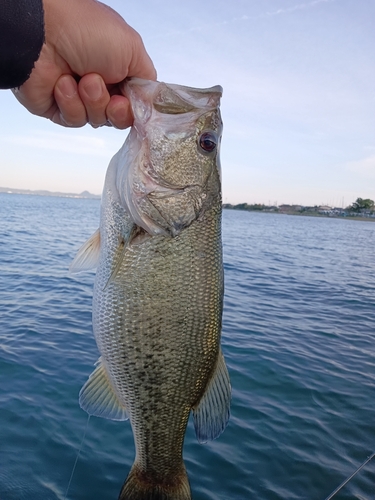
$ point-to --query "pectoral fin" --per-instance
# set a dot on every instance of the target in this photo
(88, 255)
(211, 415)
(97, 397)
(124, 243)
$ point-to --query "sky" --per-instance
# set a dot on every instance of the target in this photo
(298, 104)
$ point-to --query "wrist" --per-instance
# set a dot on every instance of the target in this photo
(21, 40)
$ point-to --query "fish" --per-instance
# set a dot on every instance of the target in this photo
(158, 291)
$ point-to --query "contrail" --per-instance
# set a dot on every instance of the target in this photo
(273, 13)
(288, 10)
(299, 6)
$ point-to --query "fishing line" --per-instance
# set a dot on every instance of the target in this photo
(75, 463)
(350, 477)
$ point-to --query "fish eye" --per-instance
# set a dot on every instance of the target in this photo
(208, 142)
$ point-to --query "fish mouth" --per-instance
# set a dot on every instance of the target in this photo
(171, 98)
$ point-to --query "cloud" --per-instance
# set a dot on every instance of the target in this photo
(300, 6)
(67, 142)
(364, 167)
(245, 17)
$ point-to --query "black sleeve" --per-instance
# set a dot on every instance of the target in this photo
(21, 40)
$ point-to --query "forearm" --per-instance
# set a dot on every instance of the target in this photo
(21, 40)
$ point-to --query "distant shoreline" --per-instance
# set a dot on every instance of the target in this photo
(267, 210)
(307, 213)
(58, 194)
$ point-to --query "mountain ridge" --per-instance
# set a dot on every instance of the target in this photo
(44, 192)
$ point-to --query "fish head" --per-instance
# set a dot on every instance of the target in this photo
(169, 174)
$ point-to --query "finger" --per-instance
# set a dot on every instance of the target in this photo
(95, 97)
(119, 112)
(72, 112)
(141, 64)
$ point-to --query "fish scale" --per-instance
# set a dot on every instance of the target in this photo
(158, 291)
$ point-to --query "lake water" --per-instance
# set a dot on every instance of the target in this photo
(298, 336)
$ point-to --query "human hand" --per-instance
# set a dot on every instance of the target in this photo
(89, 49)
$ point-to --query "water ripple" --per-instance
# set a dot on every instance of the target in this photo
(298, 336)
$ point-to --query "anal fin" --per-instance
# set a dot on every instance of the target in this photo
(211, 414)
(98, 397)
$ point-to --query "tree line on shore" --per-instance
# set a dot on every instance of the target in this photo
(360, 206)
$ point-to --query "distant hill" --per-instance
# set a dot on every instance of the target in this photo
(41, 192)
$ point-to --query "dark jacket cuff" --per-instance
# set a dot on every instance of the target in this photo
(21, 40)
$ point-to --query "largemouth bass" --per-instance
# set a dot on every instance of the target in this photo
(158, 291)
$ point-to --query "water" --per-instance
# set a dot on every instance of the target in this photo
(299, 333)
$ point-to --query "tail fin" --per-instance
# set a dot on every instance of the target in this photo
(138, 486)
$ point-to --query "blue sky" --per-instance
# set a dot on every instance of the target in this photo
(298, 104)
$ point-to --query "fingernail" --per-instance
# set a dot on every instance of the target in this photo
(94, 89)
(67, 87)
